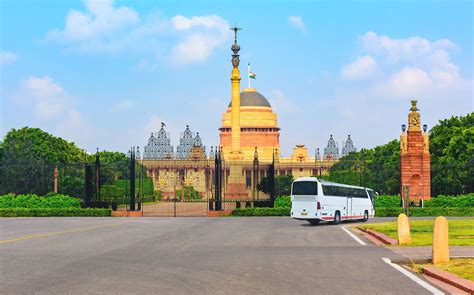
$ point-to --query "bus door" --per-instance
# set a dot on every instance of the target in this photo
(348, 207)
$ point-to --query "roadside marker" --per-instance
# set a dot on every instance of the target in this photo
(414, 278)
(354, 236)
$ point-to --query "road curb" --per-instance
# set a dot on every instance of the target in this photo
(380, 236)
(450, 278)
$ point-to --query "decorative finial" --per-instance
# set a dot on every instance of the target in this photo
(235, 29)
(413, 106)
(235, 48)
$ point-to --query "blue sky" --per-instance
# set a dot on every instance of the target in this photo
(106, 73)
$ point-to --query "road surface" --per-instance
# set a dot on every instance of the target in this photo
(244, 255)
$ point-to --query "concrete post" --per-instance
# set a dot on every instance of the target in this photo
(440, 252)
(403, 230)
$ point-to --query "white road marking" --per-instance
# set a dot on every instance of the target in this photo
(354, 236)
(416, 279)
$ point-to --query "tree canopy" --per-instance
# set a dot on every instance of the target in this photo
(377, 168)
(452, 156)
(28, 157)
(452, 161)
(282, 185)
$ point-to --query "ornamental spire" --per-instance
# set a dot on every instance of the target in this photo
(235, 48)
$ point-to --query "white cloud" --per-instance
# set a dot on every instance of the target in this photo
(7, 57)
(406, 68)
(198, 45)
(46, 98)
(362, 68)
(101, 18)
(123, 105)
(413, 66)
(103, 27)
(296, 22)
(433, 57)
(409, 82)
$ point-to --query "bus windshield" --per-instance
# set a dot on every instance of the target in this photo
(305, 188)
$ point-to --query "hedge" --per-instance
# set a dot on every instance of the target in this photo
(387, 201)
(379, 212)
(262, 212)
(283, 202)
(35, 201)
(418, 212)
(50, 212)
(462, 201)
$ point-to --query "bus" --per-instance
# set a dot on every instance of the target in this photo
(316, 200)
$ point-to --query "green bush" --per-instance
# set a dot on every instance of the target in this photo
(146, 183)
(283, 202)
(262, 212)
(418, 212)
(111, 191)
(49, 212)
(462, 201)
(34, 201)
(388, 211)
(387, 202)
(189, 194)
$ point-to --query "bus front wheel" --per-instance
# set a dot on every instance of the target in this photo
(337, 218)
(313, 221)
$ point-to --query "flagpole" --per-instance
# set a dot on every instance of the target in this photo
(248, 73)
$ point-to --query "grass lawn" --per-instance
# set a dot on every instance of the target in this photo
(463, 268)
(461, 232)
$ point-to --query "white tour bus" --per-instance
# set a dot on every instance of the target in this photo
(317, 200)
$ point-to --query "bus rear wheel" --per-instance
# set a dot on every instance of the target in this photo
(337, 218)
(366, 216)
(313, 221)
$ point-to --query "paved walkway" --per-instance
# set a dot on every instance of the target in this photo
(424, 252)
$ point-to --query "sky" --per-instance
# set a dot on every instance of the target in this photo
(105, 73)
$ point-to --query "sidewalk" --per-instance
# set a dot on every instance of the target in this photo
(424, 252)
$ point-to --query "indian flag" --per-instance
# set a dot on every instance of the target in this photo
(252, 75)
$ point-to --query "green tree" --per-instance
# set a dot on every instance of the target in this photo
(377, 168)
(282, 185)
(28, 160)
(452, 156)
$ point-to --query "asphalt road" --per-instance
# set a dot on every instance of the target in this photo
(274, 255)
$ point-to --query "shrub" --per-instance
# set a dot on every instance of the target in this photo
(388, 211)
(189, 194)
(33, 201)
(387, 201)
(283, 202)
(146, 184)
(417, 212)
(262, 212)
(111, 191)
(462, 201)
(49, 212)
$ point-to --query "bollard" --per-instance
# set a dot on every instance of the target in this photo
(440, 252)
(403, 230)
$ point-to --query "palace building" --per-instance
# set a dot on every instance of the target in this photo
(249, 142)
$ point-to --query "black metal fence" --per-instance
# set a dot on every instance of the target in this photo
(167, 188)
